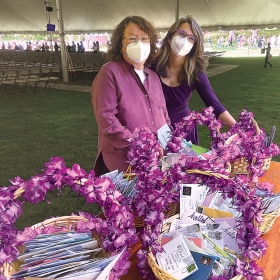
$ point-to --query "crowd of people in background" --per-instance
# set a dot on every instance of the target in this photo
(28, 46)
(240, 40)
(46, 46)
(216, 39)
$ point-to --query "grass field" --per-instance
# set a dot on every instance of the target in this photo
(61, 123)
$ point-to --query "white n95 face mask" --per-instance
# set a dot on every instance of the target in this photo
(181, 46)
(138, 52)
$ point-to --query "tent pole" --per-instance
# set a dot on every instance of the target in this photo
(177, 9)
(62, 42)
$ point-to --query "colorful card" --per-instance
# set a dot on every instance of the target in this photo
(176, 258)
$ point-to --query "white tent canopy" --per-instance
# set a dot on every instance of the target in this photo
(91, 16)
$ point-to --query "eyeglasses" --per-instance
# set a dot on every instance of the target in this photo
(182, 33)
(133, 39)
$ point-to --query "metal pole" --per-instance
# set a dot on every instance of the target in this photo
(49, 21)
(177, 9)
(62, 42)
(50, 32)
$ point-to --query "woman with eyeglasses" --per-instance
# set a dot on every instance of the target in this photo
(126, 94)
(181, 66)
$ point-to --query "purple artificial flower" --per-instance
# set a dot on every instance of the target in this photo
(36, 189)
(13, 209)
(117, 230)
(55, 164)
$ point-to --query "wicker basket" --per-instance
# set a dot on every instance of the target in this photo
(59, 223)
(240, 166)
(63, 222)
(163, 275)
(158, 271)
(268, 221)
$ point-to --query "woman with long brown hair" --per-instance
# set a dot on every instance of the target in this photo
(181, 66)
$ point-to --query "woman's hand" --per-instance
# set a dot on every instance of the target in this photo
(160, 150)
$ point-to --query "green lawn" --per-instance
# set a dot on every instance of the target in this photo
(61, 123)
(40, 126)
(250, 87)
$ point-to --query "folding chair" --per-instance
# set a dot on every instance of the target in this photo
(44, 77)
(33, 79)
(54, 77)
(22, 79)
(90, 71)
(8, 82)
(2, 72)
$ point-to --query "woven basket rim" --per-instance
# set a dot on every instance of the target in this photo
(56, 221)
(59, 221)
(157, 270)
(272, 214)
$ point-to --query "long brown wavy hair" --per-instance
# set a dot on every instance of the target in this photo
(114, 53)
(194, 62)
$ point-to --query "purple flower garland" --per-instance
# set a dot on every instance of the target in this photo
(116, 230)
(157, 189)
(246, 143)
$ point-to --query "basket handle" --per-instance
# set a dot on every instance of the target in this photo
(255, 125)
(203, 172)
(206, 172)
(230, 139)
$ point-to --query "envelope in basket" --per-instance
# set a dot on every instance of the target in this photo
(213, 213)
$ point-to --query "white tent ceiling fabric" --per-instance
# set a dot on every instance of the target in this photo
(91, 16)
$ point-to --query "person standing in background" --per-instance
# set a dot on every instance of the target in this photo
(97, 46)
(82, 47)
(69, 48)
(73, 47)
(94, 47)
(37, 47)
(56, 47)
(47, 48)
(267, 56)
